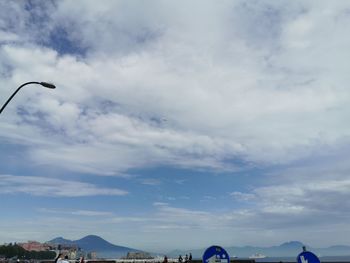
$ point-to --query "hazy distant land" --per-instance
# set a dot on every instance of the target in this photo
(287, 251)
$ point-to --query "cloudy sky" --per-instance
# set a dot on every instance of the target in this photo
(176, 124)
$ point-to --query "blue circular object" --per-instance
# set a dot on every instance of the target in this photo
(216, 254)
(308, 257)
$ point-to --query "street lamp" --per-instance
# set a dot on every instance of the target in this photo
(44, 84)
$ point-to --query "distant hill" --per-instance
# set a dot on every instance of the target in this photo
(95, 243)
(61, 240)
(292, 248)
(288, 249)
(334, 251)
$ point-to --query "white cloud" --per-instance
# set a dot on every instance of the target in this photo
(151, 181)
(42, 186)
(84, 213)
(160, 204)
(7, 37)
(250, 102)
(242, 196)
(91, 213)
(223, 98)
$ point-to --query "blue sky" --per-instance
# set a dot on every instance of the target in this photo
(176, 124)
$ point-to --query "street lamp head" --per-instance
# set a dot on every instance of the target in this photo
(44, 84)
(48, 85)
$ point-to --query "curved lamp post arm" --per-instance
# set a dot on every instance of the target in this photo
(45, 84)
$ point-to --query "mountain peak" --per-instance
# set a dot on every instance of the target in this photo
(292, 244)
(93, 237)
(96, 243)
(60, 240)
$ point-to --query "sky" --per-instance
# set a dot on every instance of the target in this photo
(176, 124)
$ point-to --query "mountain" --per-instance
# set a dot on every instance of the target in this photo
(106, 249)
(334, 250)
(292, 248)
(291, 245)
(288, 249)
(61, 240)
(97, 244)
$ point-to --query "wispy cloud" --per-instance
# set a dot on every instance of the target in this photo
(150, 181)
(242, 196)
(84, 213)
(91, 213)
(43, 186)
(160, 204)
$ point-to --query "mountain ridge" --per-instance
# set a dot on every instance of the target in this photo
(97, 244)
(287, 249)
